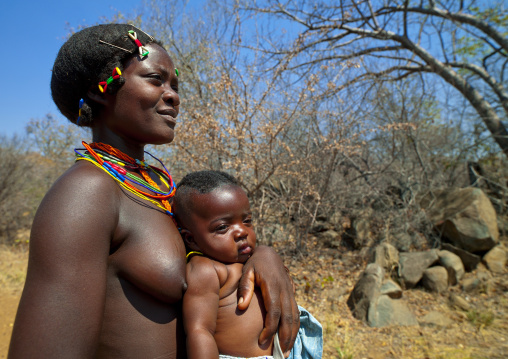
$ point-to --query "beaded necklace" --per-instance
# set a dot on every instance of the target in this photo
(116, 163)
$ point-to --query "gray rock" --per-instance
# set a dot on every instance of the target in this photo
(495, 259)
(435, 279)
(387, 311)
(412, 265)
(391, 289)
(436, 319)
(320, 226)
(366, 291)
(363, 235)
(456, 301)
(387, 256)
(471, 284)
(469, 260)
(453, 265)
(402, 240)
(330, 238)
(465, 217)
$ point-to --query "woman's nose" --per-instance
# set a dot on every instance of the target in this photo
(171, 96)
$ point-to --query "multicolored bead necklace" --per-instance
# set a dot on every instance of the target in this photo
(116, 163)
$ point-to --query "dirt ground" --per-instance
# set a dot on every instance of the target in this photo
(324, 280)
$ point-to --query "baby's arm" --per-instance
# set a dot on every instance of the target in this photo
(200, 307)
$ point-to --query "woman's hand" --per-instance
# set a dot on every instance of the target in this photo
(266, 270)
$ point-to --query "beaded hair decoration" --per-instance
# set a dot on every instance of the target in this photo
(103, 85)
(143, 51)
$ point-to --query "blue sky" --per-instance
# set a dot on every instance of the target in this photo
(32, 32)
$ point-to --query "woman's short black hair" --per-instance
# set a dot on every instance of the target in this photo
(88, 57)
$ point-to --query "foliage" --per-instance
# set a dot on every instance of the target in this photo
(16, 204)
(464, 43)
(480, 319)
(28, 172)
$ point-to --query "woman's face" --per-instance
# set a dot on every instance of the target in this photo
(145, 108)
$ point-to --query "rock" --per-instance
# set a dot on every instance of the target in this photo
(391, 289)
(387, 311)
(387, 256)
(495, 259)
(471, 284)
(436, 319)
(335, 294)
(412, 265)
(469, 260)
(402, 241)
(363, 236)
(453, 265)
(320, 226)
(458, 302)
(330, 238)
(435, 279)
(366, 291)
(465, 217)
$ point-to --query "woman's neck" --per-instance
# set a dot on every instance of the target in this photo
(133, 149)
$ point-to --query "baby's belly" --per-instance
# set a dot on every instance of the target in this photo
(237, 332)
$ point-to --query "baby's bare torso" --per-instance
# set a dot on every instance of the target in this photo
(237, 332)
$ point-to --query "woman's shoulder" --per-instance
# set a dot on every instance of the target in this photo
(84, 176)
(83, 191)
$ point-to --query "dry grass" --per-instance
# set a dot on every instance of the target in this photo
(13, 262)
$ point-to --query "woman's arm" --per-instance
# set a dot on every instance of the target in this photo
(266, 270)
(200, 308)
(60, 313)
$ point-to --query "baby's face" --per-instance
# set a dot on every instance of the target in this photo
(222, 224)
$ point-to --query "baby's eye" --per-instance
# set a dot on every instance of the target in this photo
(247, 220)
(221, 228)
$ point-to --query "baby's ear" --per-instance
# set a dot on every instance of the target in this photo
(188, 239)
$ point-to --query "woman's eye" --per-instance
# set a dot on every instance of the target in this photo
(156, 77)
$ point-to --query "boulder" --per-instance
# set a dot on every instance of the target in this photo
(435, 279)
(466, 218)
(437, 319)
(363, 235)
(330, 238)
(456, 301)
(469, 260)
(320, 226)
(386, 256)
(471, 284)
(495, 259)
(453, 265)
(391, 289)
(412, 265)
(366, 291)
(386, 311)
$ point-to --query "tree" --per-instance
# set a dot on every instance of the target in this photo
(462, 42)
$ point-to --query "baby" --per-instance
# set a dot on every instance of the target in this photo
(215, 220)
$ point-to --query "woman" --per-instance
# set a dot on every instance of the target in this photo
(106, 270)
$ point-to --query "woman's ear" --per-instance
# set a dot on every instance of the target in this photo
(96, 96)
(188, 239)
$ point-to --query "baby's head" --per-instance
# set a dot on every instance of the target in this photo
(214, 215)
